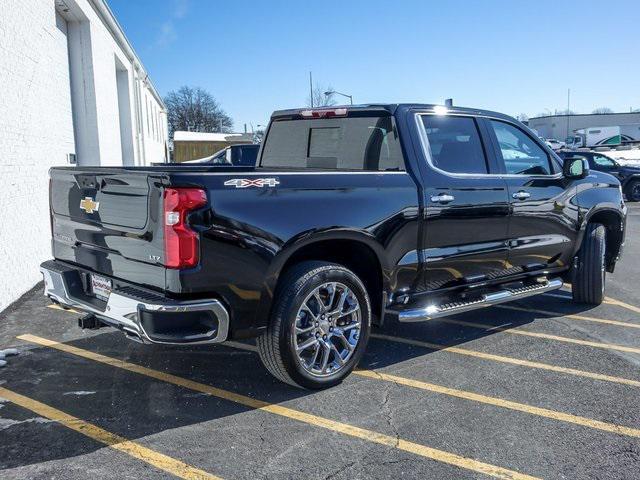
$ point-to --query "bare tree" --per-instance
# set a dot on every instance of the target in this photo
(523, 117)
(565, 112)
(318, 97)
(602, 110)
(195, 110)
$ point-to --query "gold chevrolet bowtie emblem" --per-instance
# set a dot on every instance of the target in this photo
(88, 205)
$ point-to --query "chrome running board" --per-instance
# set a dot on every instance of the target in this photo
(411, 313)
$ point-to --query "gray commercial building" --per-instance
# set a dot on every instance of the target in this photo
(562, 126)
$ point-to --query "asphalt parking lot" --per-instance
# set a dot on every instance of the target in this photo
(541, 388)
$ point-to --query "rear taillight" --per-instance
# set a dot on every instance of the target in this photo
(181, 244)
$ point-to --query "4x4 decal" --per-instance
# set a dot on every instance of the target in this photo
(252, 182)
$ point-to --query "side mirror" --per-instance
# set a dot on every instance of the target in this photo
(575, 167)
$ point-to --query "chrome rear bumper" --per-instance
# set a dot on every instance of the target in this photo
(124, 308)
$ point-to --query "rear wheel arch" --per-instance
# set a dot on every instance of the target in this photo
(358, 253)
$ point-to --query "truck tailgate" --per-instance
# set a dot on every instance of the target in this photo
(108, 221)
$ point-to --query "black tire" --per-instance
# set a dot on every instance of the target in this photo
(633, 191)
(276, 344)
(589, 276)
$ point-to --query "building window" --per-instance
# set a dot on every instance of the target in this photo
(146, 104)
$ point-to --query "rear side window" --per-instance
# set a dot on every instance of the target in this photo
(244, 156)
(603, 161)
(455, 144)
(520, 153)
(356, 143)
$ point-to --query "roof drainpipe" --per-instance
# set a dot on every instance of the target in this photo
(137, 114)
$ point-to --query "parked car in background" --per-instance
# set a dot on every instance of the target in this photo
(629, 176)
(554, 144)
(241, 155)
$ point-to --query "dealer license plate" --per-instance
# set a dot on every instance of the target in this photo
(100, 286)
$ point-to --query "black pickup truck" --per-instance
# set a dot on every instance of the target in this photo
(352, 214)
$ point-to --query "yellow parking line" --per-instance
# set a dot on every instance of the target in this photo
(55, 306)
(133, 449)
(346, 429)
(542, 412)
(510, 360)
(546, 336)
(470, 353)
(482, 355)
(608, 300)
(499, 402)
(613, 301)
(571, 316)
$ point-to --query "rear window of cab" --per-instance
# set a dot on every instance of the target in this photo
(351, 143)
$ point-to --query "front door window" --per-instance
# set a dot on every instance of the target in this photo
(520, 153)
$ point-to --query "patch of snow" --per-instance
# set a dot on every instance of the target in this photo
(8, 423)
(196, 395)
(626, 157)
(182, 136)
(79, 392)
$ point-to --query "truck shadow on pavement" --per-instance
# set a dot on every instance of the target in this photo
(135, 406)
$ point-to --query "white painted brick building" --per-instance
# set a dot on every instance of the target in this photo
(70, 85)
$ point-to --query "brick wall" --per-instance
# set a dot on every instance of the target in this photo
(36, 132)
(37, 129)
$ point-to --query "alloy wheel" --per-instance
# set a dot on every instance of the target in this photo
(327, 329)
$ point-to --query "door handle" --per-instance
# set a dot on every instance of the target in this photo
(442, 198)
(521, 195)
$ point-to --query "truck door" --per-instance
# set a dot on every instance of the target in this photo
(542, 224)
(466, 207)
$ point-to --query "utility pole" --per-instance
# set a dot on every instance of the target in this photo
(311, 89)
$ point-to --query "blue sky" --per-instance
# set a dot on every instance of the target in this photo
(510, 56)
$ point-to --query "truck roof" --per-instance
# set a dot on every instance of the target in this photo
(384, 109)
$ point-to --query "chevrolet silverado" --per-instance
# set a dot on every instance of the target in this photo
(351, 215)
